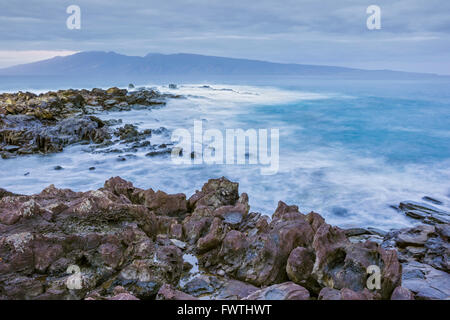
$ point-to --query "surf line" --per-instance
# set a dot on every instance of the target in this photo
(236, 147)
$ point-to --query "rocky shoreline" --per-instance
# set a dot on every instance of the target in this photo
(48, 122)
(130, 243)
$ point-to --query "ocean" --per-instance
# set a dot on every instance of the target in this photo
(348, 149)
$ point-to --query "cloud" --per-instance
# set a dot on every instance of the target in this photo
(302, 31)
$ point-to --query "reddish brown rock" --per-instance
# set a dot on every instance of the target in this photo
(62, 228)
(401, 293)
(315, 220)
(347, 294)
(340, 264)
(195, 226)
(417, 236)
(263, 262)
(216, 193)
(125, 251)
(123, 296)
(300, 266)
(213, 238)
(176, 230)
(167, 292)
(119, 186)
(165, 204)
(111, 254)
(45, 253)
(329, 294)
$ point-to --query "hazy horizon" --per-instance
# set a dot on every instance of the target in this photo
(413, 36)
(43, 57)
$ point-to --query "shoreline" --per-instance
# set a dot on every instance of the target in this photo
(134, 243)
(48, 122)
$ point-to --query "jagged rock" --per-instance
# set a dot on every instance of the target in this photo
(48, 122)
(261, 259)
(46, 233)
(131, 243)
(426, 282)
(34, 136)
(425, 212)
(340, 264)
(130, 133)
(424, 243)
(165, 204)
(213, 238)
(216, 193)
(432, 200)
(417, 236)
(143, 278)
(299, 268)
(444, 231)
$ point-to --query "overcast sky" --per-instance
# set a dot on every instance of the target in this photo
(414, 35)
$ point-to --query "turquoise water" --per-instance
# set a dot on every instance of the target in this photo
(348, 149)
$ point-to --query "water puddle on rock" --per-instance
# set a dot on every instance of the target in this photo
(191, 274)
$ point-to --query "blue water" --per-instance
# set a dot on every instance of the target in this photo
(348, 149)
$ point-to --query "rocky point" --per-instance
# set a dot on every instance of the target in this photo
(46, 123)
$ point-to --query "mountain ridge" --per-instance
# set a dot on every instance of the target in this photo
(115, 64)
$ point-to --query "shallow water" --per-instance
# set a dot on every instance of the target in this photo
(348, 150)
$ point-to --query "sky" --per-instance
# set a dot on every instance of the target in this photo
(414, 34)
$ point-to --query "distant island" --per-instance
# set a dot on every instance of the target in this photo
(97, 63)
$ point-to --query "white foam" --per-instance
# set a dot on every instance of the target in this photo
(316, 177)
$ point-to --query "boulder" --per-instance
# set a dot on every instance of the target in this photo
(234, 290)
(261, 259)
(202, 285)
(216, 193)
(401, 293)
(165, 204)
(282, 291)
(299, 268)
(213, 238)
(340, 264)
(167, 292)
